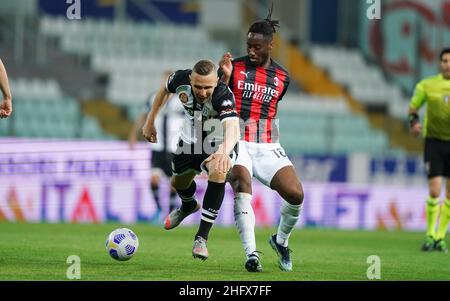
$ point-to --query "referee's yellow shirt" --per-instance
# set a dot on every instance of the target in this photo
(435, 91)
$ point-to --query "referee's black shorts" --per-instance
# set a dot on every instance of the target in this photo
(186, 159)
(437, 158)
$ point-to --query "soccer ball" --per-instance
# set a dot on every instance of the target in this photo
(122, 244)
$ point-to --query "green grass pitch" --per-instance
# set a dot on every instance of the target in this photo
(40, 251)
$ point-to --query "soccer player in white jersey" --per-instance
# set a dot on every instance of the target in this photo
(207, 102)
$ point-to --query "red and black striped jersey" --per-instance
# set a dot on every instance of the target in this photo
(257, 91)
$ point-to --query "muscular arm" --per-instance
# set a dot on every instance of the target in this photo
(221, 158)
(6, 104)
(137, 125)
(230, 137)
(149, 131)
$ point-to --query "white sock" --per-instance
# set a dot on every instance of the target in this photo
(290, 214)
(245, 221)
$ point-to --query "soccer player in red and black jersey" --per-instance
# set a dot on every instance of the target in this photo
(259, 83)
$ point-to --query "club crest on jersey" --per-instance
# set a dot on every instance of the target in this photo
(183, 97)
(184, 93)
(275, 81)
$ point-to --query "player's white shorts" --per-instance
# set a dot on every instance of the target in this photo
(262, 160)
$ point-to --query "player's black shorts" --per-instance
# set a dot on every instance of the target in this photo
(191, 160)
(437, 158)
(163, 161)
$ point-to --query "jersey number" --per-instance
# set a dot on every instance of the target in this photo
(279, 152)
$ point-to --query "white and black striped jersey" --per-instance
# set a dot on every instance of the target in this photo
(222, 105)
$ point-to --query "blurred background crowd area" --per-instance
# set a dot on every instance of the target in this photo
(88, 75)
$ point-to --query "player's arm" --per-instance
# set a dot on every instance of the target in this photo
(6, 104)
(137, 125)
(149, 130)
(226, 108)
(226, 65)
(230, 138)
(416, 103)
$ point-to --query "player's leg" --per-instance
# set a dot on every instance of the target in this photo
(155, 181)
(185, 186)
(432, 212)
(240, 179)
(434, 163)
(444, 220)
(167, 169)
(184, 170)
(287, 184)
(212, 202)
(173, 199)
(275, 170)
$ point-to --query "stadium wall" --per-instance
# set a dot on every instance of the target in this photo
(407, 39)
(97, 182)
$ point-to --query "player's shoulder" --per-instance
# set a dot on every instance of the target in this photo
(280, 67)
(179, 77)
(221, 91)
(431, 79)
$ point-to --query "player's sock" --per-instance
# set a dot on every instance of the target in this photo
(290, 214)
(443, 220)
(432, 212)
(210, 209)
(244, 218)
(188, 202)
(155, 191)
(172, 200)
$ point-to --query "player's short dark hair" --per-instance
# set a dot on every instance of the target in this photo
(444, 51)
(266, 27)
(204, 67)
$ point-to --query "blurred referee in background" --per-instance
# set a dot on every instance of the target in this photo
(435, 91)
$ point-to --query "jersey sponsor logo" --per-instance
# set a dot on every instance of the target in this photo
(257, 91)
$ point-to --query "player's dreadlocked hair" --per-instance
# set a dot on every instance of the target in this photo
(266, 27)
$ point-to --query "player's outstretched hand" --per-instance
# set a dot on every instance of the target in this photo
(5, 108)
(149, 133)
(219, 162)
(416, 129)
(226, 65)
